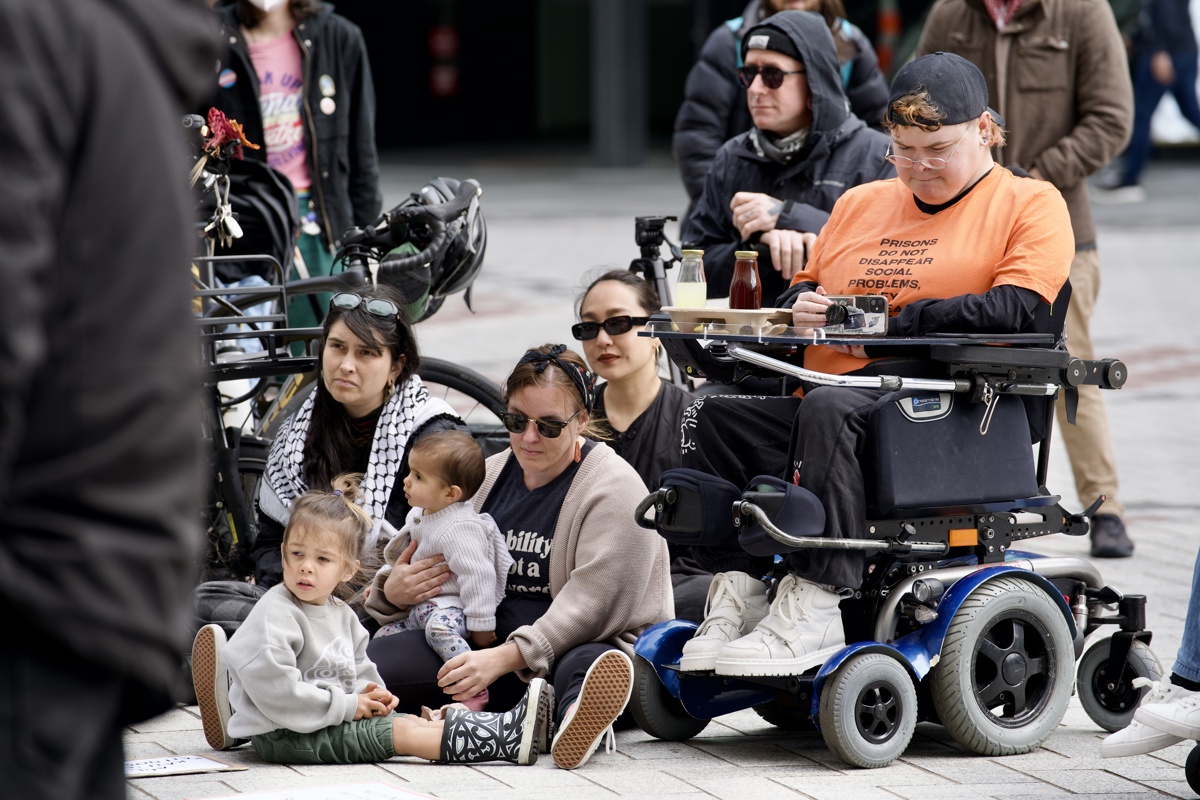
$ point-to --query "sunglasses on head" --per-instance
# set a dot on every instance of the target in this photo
(376, 306)
(613, 326)
(516, 422)
(772, 77)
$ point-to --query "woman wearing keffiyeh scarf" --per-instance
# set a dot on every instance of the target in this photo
(368, 407)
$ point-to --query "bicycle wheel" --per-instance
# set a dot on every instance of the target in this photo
(228, 553)
(476, 399)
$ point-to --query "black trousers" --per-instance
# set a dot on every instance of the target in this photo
(409, 666)
(60, 725)
(817, 441)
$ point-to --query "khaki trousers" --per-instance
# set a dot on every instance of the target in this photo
(1089, 445)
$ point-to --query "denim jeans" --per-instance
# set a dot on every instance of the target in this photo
(1147, 92)
(1187, 661)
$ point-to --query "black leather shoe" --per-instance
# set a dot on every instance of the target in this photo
(1109, 539)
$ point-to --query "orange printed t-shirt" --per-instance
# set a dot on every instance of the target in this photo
(1006, 230)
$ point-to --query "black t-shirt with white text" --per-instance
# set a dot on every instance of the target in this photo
(527, 520)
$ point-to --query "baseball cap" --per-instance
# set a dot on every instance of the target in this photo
(956, 88)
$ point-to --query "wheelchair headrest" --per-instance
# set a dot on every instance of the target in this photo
(793, 509)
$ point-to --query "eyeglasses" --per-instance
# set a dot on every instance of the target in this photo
(772, 76)
(927, 163)
(550, 428)
(613, 326)
(377, 306)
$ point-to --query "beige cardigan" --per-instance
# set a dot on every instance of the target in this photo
(609, 578)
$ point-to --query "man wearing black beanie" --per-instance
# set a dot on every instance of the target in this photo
(772, 187)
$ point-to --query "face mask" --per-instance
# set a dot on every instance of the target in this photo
(265, 5)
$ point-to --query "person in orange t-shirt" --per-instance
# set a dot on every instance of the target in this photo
(958, 245)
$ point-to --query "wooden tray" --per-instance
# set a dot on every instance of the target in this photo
(758, 320)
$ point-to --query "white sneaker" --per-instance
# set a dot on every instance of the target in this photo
(211, 681)
(602, 697)
(1137, 739)
(736, 603)
(1176, 713)
(803, 628)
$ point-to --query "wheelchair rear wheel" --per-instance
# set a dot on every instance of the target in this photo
(1109, 708)
(656, 711)
(1006, 669)
(869, 710)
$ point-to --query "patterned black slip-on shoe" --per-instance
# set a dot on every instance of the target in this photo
(470, 737)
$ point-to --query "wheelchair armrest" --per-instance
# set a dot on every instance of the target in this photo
(1000, 358)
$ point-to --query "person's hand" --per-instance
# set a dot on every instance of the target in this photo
(468, 674)
(808, 311)
(409, 584)
(789, 250)
(483, 639)
(754, 211)
(1162, 68)
(375, 701)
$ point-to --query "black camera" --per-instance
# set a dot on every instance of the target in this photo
(857, 315)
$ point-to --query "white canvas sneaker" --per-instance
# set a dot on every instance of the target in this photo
(736, 603)
(1137, 739)
(1177, 713)
(803, 628)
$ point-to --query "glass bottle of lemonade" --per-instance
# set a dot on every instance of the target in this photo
(691, 290)
(745, 288)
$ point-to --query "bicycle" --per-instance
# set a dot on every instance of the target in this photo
(428, 222)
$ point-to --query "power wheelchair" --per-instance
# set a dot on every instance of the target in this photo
(953, 623)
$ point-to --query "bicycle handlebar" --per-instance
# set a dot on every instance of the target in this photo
(437, 217)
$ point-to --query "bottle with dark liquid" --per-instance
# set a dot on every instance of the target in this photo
(745, 289)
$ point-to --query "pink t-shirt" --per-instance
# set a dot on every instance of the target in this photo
(281, 93)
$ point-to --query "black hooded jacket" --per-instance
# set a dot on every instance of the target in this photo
(841, 152)
(344, 164)
(99, 405)
(714, 105)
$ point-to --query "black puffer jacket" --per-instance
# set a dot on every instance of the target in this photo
(344, 164)
(714, 105)
(841, 152)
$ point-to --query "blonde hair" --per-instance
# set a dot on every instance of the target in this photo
(916, 109)
(338, 515)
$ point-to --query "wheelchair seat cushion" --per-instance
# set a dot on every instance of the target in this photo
(925, 450)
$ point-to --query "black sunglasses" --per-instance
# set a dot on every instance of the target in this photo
(613, 326)
(772, 76)
(348, 301)
(516, 422)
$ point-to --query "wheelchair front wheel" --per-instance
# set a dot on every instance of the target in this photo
(1004, 678)
(1109, 708)
(868, 710)
(1191, 769)
(656, 711)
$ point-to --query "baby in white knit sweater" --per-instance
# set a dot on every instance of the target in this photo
(445, 470)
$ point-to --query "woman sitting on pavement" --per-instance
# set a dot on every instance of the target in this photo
(982, 249)
(638, 412)
(586, 581)
(368, 408)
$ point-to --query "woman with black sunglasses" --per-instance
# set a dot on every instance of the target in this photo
(586, 579)
(638, 412)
